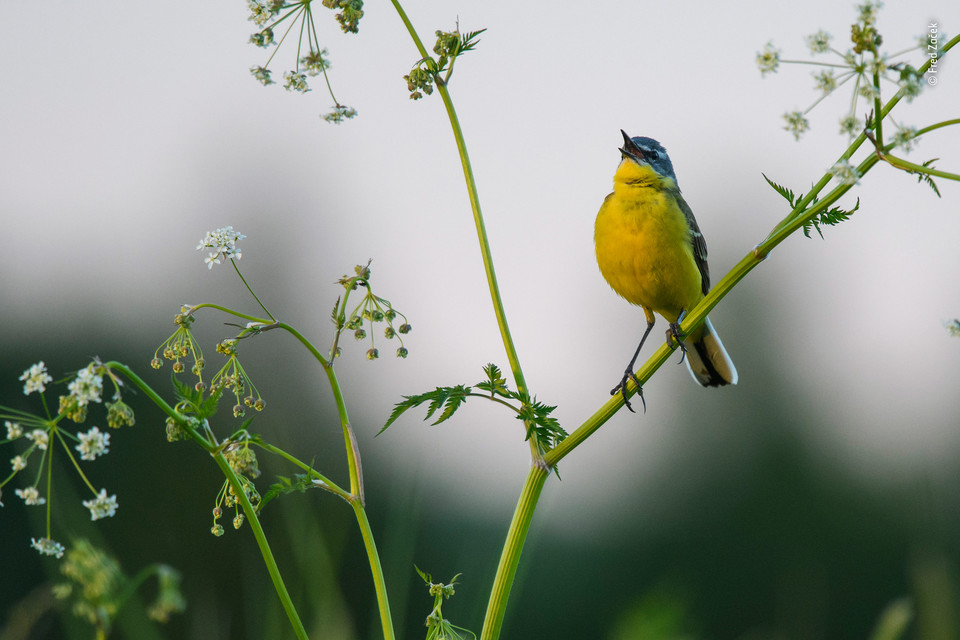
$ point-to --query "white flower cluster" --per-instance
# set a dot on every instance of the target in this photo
(103, 506)
(93, 443)
(87, 386)
(14, 430)
(47, 547)
(35, 378)
(40, 437)
(845, 172)
(223, 241)
(31, 496)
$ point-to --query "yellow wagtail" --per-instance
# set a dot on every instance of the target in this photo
(651, 251)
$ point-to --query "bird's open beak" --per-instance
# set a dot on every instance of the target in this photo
(630, 150)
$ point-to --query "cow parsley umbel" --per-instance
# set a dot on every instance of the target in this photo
(223, 241)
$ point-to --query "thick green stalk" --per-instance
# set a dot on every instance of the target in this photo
(510, 557)
(513, 546)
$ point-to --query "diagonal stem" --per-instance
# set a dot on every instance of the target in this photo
(485, 253)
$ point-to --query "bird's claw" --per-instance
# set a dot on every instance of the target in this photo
(675, 335)
(622, 388)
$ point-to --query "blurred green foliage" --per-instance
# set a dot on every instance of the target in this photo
(788, 547)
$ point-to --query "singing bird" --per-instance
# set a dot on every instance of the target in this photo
(651, 251)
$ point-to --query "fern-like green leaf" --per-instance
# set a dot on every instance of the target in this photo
(495, 384)
(200, 406)
(468, 41)
(449, 397)
(337, 316)
(453, 401)
(184, 392)
(209, 405)
(830, 218)
(541, 425)
(783, 191)
(426, 577)
(300, 483)
(926, 177)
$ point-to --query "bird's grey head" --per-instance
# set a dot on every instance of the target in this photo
(648, 151)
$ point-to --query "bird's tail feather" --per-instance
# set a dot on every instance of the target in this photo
(708, 361)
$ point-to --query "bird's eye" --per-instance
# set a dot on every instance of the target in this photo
(652, 153)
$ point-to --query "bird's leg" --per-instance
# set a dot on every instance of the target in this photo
(629, 374)
(674, 334)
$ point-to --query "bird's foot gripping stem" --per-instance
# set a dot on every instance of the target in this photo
(675, 337)
(622, 388)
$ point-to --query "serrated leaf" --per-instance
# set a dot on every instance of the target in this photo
(541, 425)
(300, 483)
(184, 392)
(448, 397)
(398, 410)
(425, 576)
(787, 194)
(926, 177)
(336, 317)
(209, 405)
(830, 218)
(468, 41)
(453, 403)
(495, 384)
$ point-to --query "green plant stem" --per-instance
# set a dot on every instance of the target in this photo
(327, 483)
(357, 501)
(379, 584)
(523, 515)
(355, 469)
(264, 546)
(355, 497)
(228, 310)
(76, 465)
(306, 343)
(247, 285)
(248, 510)
(350, 440)
(900, 163)
(876, 105)
(531, 491)
(513, 546)
(134, 583)
(485, 252)
(49, 461)
(933, 127)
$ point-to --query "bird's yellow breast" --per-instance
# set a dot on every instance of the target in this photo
(643, 242)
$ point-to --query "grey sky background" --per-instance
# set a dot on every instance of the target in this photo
(130, 129)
